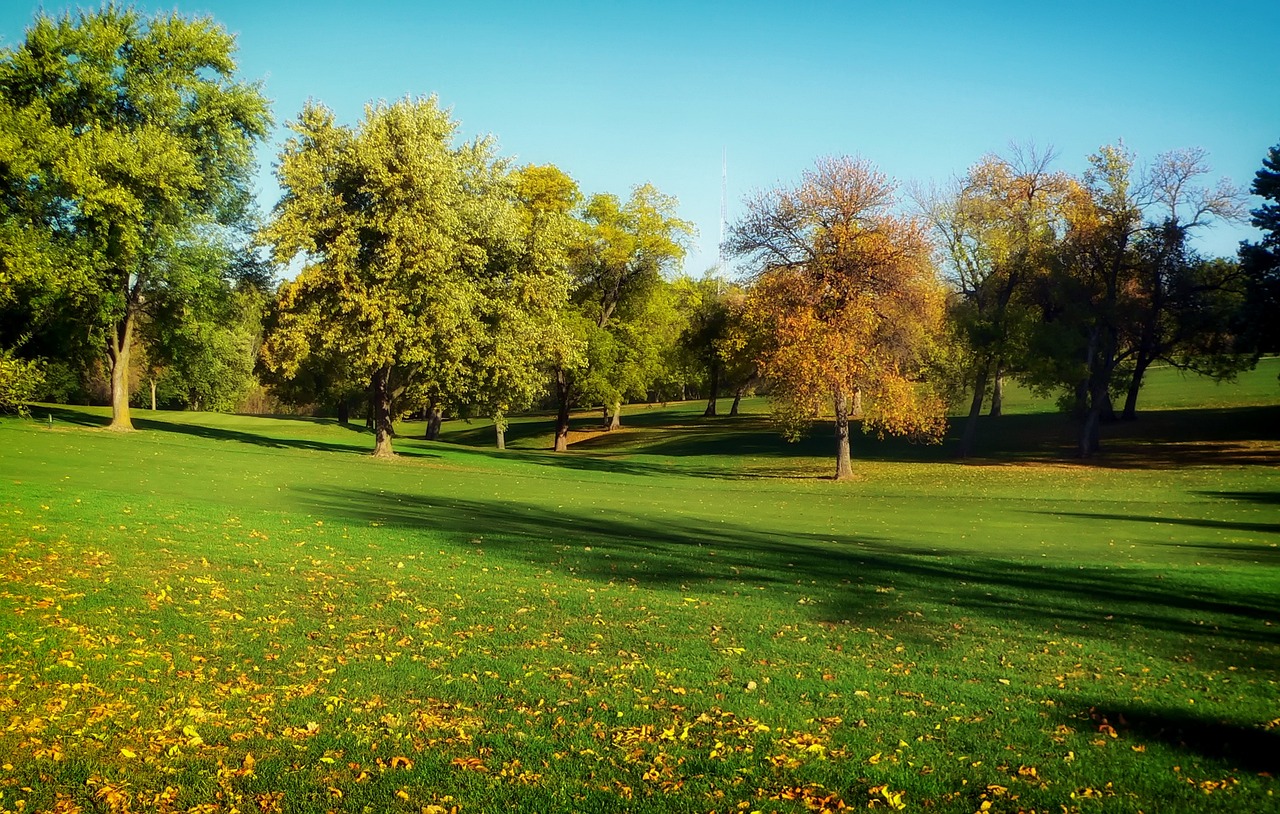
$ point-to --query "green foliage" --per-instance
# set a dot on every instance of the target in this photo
(628, 318)
(20, 381)
(145, 147)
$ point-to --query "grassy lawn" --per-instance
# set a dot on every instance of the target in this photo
(228, 613)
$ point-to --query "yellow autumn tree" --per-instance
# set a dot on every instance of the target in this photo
(847, 302)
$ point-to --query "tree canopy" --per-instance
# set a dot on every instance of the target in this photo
(128, 139)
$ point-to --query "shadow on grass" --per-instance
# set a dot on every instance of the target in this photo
(860, 578)
(1222, 525)
(71, 416)
(1238, 746)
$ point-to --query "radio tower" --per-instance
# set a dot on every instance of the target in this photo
(724, 187)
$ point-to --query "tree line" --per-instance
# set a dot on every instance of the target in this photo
(433, 275)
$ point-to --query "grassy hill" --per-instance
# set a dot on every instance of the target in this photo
(251, 613)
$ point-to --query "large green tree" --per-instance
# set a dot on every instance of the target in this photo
(622, 316)
(390, 221)
(145, 146)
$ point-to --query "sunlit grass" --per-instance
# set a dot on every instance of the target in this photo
(226, 612)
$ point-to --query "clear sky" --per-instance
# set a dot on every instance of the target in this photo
(617, 94)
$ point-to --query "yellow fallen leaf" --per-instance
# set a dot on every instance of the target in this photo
(127, 752)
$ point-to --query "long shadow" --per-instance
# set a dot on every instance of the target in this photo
(223, 434)
(1269, 498)
(666, 553)
(1237, 745)
(1223, 525)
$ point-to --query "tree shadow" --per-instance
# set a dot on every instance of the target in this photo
(1221, 525)
(870, 579)
(76, 417)
(1238, 746)
(1269, 498)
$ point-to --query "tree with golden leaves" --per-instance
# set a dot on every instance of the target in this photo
(847, 301)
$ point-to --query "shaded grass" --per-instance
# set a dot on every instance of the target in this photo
(681, 617)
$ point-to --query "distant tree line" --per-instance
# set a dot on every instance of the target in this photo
(433, 276)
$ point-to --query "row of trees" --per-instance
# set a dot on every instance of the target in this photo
(435, 275)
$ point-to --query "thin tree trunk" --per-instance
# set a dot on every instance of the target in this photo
(975, 413)
(561, 443)
(715, 391)
(615, 420)
(121, 345)
(344, 411)
(856, 410)
(737, 399)
(435, 417)
(1135, 384)
(382, 429)
(604, 417)
(153, 393)
(997, 394)
(844, 467)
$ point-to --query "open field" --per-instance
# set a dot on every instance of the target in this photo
(229, 613)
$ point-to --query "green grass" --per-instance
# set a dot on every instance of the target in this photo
(250, 613)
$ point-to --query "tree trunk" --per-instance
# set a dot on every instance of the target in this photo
(715, 391)
(344, 411)
(856, 411)
(435, 417)
(975, 413)
(737, 399)
(997, 394)
(844, 467)
(502, 434)
(615, 421)
(382, 429)
(1135, 384)
(561, 443)
(121, 344)
(153, 393)
(604, 417)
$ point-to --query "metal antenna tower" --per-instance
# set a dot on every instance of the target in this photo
(724, 188)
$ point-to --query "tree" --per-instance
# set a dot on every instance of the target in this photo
(526, 293)
(1260, 261)
(848, 299)
(396, 227)
(998, 231)
(1124, 289)
(146, 149)
(1182, 306)
(618, 270)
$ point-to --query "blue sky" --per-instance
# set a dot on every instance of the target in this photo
(620, 94)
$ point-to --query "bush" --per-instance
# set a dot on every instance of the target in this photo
(20, 379)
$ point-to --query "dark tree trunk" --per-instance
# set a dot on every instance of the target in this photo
(844, 466)
(1135, 384)
(344, 411)
(975, 413)
(561, 443)
(435, 417)
(715, 391)
(997, 394)
(737, 399)
(604, 417)
(119, 349)
(381, 402)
